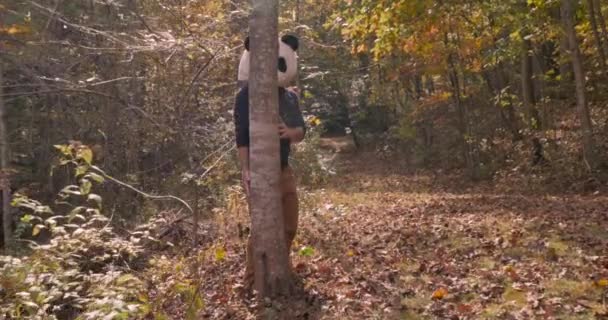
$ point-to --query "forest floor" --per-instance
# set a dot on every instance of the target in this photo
(385, 243)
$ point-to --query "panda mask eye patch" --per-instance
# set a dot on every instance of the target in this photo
(282, 65)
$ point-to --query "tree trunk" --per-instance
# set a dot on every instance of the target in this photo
(297, 20)
(565, 69)
(602, 21)
(418, 85)
(596, 35)
(527, 86)
(527, 91)
(430, 85)
(7, 219)
(463, 121)
(270, 256)
(579, 79)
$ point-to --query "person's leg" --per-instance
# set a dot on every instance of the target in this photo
(290, 206)
(249, 273)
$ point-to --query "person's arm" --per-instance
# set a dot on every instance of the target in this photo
(294, 135)
(245, 173)
(294, 127)
(241, 124)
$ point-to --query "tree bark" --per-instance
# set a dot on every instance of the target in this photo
(565, 69)
(596, 35)
(7, 218)
(463, 121)
(270, 257)
(529, 100)
(567, 10)
(527, 86)
(602, 21)
(297, 20)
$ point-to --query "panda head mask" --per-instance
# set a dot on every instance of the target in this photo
(287, 65)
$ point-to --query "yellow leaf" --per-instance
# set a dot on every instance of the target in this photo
(602, 283)
(440, 293)
(361, 48)
(220, 253)
(37, 229)
(350, 253)
(16, 29)
(85, 154)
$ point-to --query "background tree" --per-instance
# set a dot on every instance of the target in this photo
(7, 219)
(579, 79)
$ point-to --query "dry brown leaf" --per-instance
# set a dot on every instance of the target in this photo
(440, 294)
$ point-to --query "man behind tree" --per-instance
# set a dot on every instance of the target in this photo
(291, 130)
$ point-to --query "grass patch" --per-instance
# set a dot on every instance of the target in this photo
(572, 289)
(515, 297)
(492, 311)
(517, 253)
(415, 303)
(559, 247)
(486, 263)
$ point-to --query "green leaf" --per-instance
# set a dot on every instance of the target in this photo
(125, 279)
(95, 177)
(75, 213)
(161, 316)
(64, 148)
(80, 170)
(85, 154)
(220, 254)
(95, 198)
(85, 186)
(43, 209)
(27, 218)
(307, 251)
(74, 190)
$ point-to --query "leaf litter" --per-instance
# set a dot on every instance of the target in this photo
(379, 244)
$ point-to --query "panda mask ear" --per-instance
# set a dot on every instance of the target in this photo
(291, 41)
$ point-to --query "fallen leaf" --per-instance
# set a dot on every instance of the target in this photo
(440, 294)
(464, 308)
(307, 251)
(220, 254)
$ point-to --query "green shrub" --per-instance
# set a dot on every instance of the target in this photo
(81, 271)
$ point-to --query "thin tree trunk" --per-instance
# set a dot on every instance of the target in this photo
(565, 69)
(270, 256)
(527, 90)
(4, 178)
(579, 78)
(602, 21)
(527, 86)
(463, 121)
(297, 20)
(430, 85)
(596, 35)
(418, 85)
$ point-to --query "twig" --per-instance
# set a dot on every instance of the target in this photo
(216, 151)
(83, 29)
(147, 195)
(200, 71)
(216, 162)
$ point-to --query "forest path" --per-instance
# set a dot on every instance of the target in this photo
(377, 243)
